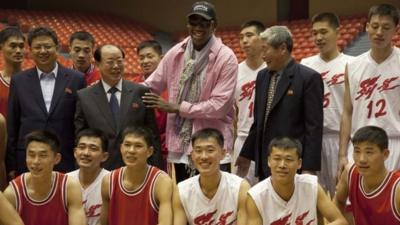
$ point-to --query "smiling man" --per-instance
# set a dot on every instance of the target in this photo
(90, 152)
(113, 104)
(200, 75)
(213, 196)
(288, 102)
(42, 97)
(286, 197)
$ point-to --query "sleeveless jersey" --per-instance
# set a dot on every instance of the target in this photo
(244, 96)
(4, 90)
(91, 197)
(221, 209)
(136, 207)
(300, 209)
(332, 74)
(377, 207)
(49, 211)
(375, 91)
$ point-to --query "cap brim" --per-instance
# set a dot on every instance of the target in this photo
(207, 17)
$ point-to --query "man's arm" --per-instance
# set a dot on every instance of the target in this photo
(105, 196)
(328, 209)
(76, 214)
(8, 215)
(13, 126)
(3, 139)
(313, 123)
(179, 212)
(342, 190)
(345, 125)
(397, 198)
(253, 215)
(164, 189)
(242, 212)
(80, 119)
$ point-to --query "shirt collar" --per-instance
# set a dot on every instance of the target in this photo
(54, 71)
(107, 87)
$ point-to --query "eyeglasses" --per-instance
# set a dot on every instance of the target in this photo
(201, 23)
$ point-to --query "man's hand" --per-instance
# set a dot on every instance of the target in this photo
(243, 165)
(152, 100)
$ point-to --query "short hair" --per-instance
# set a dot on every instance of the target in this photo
(331, 18)
(209, 133)
(286, 143)
(94, 133)
(8, 32)
(373, 135)
(260, 27)
(42, 31)
(155, 45)
(140, 131)
(83, 36)
(97, 52)
(384, 10)
(277, 35)
(44, 136)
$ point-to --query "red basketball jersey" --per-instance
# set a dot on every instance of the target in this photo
(50, 211)
(4, 89)
(377, 207)
(92, 76)
(136, 207)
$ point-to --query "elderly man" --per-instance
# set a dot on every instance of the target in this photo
(200, 75)
(113, 104)
(288, 102)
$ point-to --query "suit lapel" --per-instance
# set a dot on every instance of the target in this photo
(126, 98)
(283, 84)
(100, 98)
(62, 80)
(36, 89)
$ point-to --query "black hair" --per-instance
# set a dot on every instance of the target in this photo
(384, 10)
(286, 143)
(97, 52)
(150, 44)
(260, 27)
(209, 133)
(329, 17)
(96, 133)
(44, 136)
(42, 31)
(8, 32)
(140, 131)
(373, 135)
(83, 36)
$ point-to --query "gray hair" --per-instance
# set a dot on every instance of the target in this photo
(277, 35)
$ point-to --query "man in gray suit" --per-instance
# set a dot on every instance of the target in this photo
(113, 104)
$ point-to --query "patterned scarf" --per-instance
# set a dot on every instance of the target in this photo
(190, 86)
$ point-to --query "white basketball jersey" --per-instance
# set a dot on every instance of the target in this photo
(221, 209)
(91, 197)
(300, 209)
(244, 96)
(332, 74)
(375, 92)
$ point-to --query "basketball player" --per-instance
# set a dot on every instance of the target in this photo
(251, 45)
(12, 43)
(330, 63)
(43, 196)
(90, 151)
(8, 215)
(286, 197)
(138, 193)
(373, 191)
(213, 196)
(373, 86)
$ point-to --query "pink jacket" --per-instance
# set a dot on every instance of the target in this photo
(215, 107)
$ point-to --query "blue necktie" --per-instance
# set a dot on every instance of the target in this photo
(114, 106)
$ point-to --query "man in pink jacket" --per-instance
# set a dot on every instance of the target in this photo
(199, 74)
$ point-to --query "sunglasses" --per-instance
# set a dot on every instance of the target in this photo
(201, 23)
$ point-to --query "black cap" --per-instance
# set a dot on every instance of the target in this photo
(204, 9)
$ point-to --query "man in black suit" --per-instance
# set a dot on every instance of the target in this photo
(43, 97)
(113, 104)
(288, 102)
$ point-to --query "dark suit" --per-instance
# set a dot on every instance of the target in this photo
(27, 112)
(93, 111)
(296, 111)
